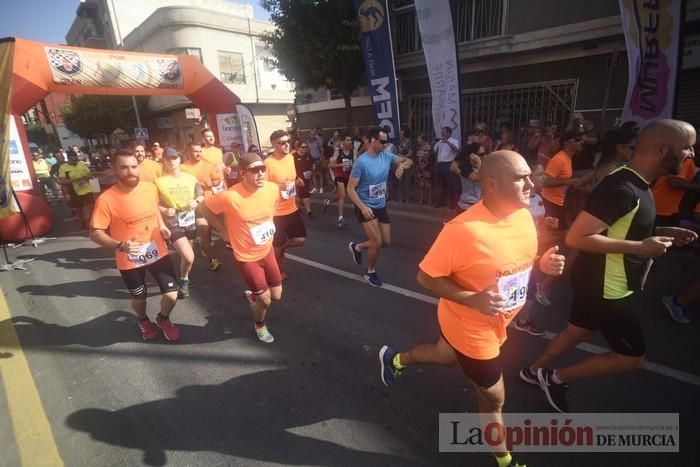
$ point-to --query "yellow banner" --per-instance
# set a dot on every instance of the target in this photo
(6, 52)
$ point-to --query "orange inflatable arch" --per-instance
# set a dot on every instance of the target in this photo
(39, 69)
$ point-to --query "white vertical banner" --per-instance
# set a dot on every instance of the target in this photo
(229, 126)
(20, 176)
(249, 130)
(652, 30)
(437, 36)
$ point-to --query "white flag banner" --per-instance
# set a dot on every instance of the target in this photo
(437, 36)
(652, 34)
(249, 130)
(229, 126)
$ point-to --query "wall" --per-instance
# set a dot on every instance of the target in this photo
(531, 15)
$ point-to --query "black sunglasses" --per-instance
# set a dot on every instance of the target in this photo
(255, 170)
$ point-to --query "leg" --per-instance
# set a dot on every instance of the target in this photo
(341, 198)
(439, 353)
(262, 303)
(167, 303)
(184, 249)
(138, 304)
(489, 403)
(386, 234)
(373, 243)
(307, 204)
(561, 345)
(604, 364)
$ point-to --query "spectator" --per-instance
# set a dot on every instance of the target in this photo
(506, 139)
(533, 140)
(424, 170)
(559, 175)
(446, 148)
(157, 152)
(43, 175)
(586, 159)
(407, 150)
(483, 137)
(315, 143)
(467, 169)
(357, 139)
(50, 159)
(549, 144)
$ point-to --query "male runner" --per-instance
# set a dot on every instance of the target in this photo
(290, 231)
(558, 175)
(304, 164)
(249, 208)
(211, 153)
(180, 194)
(211, 180)
(148, 170)
(76, 175)
(341, 164)
(129, 210)
(367, 191)
(615, 233)
(480, 266)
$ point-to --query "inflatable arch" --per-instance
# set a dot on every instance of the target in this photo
(39, 69)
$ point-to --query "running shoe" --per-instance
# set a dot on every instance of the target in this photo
(148, 332)
(313, 191)
(529, 376)
(228, 245)
(169, 330)
(388, 372)
(214, 264)
(508, 461)
(555, 392)
(528, 326)
(310, 215)
(356, 255)
(341, 223)
(541, 295)
(264, 335)
(183, 290)
(320, 191)
(326, 203)
(676, 311)
(249, 298)
(373, 279)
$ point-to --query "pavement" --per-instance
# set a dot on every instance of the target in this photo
(82, 388)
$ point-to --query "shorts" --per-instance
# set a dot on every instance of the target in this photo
(483, 373)
(162, 271)
(341, 179)
(262, 274)
(78, 201)
(615, 319)
(554, 210)
(303, 190)
(380, 214)
(288, 226)
(176, 233)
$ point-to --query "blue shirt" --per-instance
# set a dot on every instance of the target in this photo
(373, 172)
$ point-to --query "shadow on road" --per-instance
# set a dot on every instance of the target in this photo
(93, 259)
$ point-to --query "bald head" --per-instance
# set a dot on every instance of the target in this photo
(505, 181)
(662, 147)
(665, 132)
(500, 162)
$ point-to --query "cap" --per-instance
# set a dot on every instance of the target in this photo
(249, 159)
(171, 152)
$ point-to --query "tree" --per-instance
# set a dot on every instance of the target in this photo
(36, 134)
(316, 44)
(93, 116)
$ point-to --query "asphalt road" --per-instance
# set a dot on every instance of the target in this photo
(220, 397)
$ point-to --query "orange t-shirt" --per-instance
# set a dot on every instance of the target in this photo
(559, 168)
(149, 170)
(668, 199)
(213, 155)
(210, 176)
(131, 215)
(248, 219)
(283, 173)
(477, 250)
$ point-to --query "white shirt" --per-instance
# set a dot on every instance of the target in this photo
(537, 208)
(444, 152)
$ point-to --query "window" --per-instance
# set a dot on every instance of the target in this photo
(231, 68)
(195, 52)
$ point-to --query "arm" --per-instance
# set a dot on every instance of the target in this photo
(212, 218)
(489, 301)
(101, 237)
(352, 194)
(454, 168)
(551, 182)
(681, 184)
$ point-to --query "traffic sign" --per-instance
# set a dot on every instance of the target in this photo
(141, 133)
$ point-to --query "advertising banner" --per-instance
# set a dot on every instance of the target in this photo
(249, 130)
(20, 176)
(6, 51)
(229, 126)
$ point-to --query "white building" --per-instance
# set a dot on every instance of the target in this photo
(222, 34)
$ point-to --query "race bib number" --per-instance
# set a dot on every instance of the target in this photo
(263, 233)
(218, 188)
(185, 219)
(307, 174)
(514, 288)
(377, 191)
(147, 254)
(288, 190)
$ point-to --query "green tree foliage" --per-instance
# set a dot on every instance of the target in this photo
(316, 44)
(93, 116)
(36, 134)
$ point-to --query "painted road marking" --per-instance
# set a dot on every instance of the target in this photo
(585, 346)
(33, 436)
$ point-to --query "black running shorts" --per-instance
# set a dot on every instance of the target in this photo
(483, 373)
(288, 226)
(380, 214)
(162, 271)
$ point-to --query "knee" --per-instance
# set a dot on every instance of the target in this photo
(276, 295)
(188, 257)
(375, 243)
(298, 241)
(492, 400)
(386, 242)
(265, 298)
(170, 297)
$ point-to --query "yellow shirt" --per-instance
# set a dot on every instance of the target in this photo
(213, 155)
(73, 172)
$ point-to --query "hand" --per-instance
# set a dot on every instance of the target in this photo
(490, 301)
(654, 246)
(552, 263)
(300, 182)
(132, 247)
(399, 172)
(227, 170)
(681, 236)
(193, 203)
(165, 232)
(367, 213)
(573, 181)
(170, 212)
(551, 222)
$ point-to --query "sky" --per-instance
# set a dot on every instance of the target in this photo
(31, 19)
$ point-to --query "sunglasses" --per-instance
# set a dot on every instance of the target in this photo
(256, 170)
(383, 141)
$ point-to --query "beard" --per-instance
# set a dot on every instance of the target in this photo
(671, 163)
(129, 181)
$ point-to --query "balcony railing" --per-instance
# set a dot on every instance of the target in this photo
(472, 20)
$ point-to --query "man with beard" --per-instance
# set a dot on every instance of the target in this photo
(558, 175)
(129, 211)
(211, 153)
(148, 170)
(76, 175)
(615, 234)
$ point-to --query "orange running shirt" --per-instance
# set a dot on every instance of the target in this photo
(477, 250)
(207, 175)
(559, 168)
(283, 173)
(213, 155)
(668, 199)
(149, 170)
(131, 215)
(248, 219)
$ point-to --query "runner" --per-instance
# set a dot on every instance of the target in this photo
(367, 190)
(304, 165)
(129, 210)
(211, 153)
(231, 165)
(76, 175)
(480, 266)
(341, 163)
(615, 235)
(249, 208)
(211, 180)
(289, 225)
(157, 152)
(180, 194)
(558, 175)
(148, 170)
